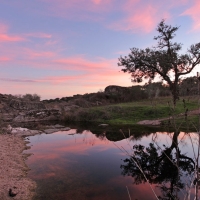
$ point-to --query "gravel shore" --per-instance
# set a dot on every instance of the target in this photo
(14, 183)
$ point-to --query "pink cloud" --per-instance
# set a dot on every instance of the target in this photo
(141, 16)
(59, 79)
(177, 3)
(81, 63)
(79, 9)
(194, 13)
(4, 59)
(133, 15)
(63, 85)
(39, 35)
(138, 21)
(92, 79)
(27, 56)
(79, 70)
(97, 1)
(137, 15)
(3, 28)
(5, 37)
(80, 74)
(9, 38)
(33, 54)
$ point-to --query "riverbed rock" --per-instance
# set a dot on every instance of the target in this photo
(19, 131)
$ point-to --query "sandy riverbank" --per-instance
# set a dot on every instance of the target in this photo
(13, 169)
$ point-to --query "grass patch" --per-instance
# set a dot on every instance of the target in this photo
(133, 112)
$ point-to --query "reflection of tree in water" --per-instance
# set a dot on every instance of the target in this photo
(164, 168)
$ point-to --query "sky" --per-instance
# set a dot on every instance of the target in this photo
(59, 48)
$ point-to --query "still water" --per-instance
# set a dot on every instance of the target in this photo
(73, 165)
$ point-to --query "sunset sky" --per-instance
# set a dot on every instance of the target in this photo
(58, 48)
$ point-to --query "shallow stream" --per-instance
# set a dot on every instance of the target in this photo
(79, 165)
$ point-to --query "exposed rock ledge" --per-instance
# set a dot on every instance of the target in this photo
(13, 109)
(37, 115)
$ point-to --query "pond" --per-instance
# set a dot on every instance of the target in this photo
(75, 164)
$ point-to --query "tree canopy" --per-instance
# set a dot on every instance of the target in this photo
(164, 60)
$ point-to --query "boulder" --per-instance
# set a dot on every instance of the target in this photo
(116, 89)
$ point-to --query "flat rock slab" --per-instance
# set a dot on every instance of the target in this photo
(150, 122)
(22, 131)
(65, 129)
(59, 126)
(51, 130)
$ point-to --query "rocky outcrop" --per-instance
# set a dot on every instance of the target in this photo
(13, 109)
(26, 105)
(116, 89)
(37, 115)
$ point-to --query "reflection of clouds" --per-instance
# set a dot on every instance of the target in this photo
(141, 191)
(44, 175)
(63, 143)
(45, 156)
(76, 161)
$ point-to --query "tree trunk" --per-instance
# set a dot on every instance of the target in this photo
(175, 92)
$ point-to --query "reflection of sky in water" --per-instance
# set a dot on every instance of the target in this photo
(67, 165)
